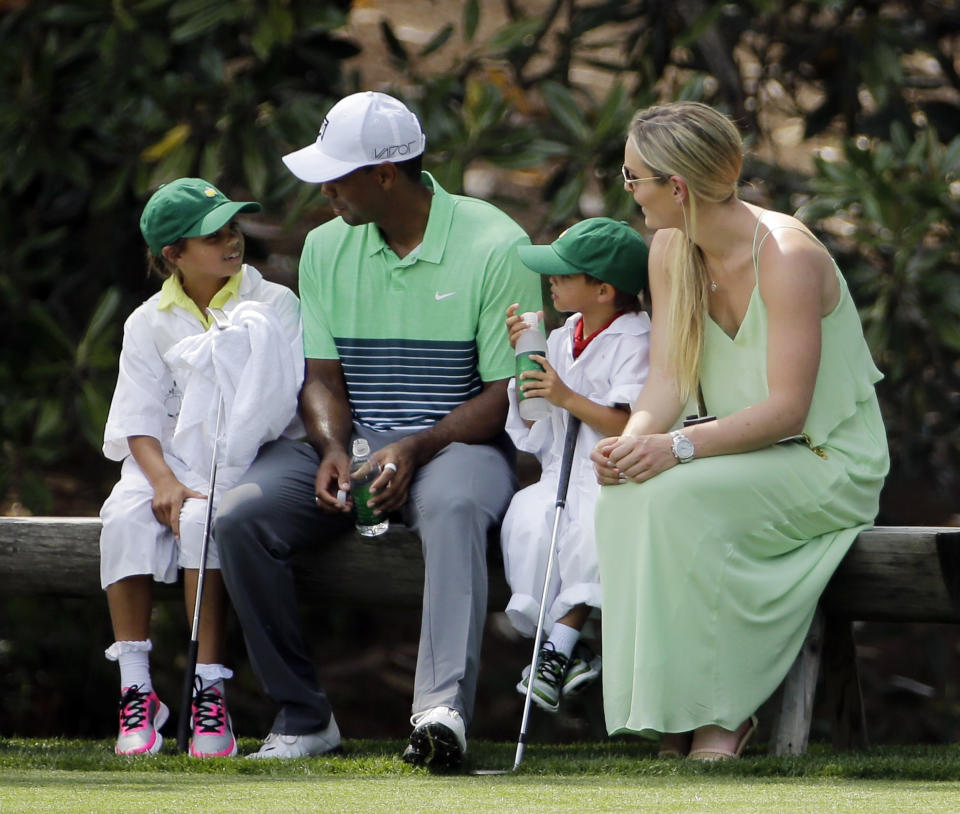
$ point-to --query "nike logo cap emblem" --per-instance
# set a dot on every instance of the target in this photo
(438, 296)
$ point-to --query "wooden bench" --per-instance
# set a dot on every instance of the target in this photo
(891, 574)
(902, 574)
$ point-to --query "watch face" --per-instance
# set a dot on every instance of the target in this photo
(682, 447)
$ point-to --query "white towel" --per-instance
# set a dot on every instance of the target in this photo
(258, 370)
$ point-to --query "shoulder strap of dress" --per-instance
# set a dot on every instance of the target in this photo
(770, 231)
(756, 249)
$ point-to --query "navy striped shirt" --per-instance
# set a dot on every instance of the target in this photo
(406, 383)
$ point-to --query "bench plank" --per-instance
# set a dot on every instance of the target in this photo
(899, 574)
(55, 556)
(60, 556)
(892, 573)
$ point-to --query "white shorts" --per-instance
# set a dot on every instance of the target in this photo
(134, 542)
(525, 539)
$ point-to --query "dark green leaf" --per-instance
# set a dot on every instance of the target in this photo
(394, 47)
(94, 408)
(566, 201)
(100, 322)
(43, 321)
(438, 40)
(704, 20)
(471, 19)
(613, 114)
(565, 109)
(255, 166)
(49, 423)
(693, 89)
(514, 35)
(450, 174)
(950, 161)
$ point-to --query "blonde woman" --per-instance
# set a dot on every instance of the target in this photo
(716, 540)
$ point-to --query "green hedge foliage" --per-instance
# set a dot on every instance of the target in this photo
(101, 101)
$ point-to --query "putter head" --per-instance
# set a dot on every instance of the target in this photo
(488, 772)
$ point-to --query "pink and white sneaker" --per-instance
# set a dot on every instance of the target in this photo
(212, 728)
(141, 716)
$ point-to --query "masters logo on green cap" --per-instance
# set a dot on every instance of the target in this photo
(187, 207)
(606, 249)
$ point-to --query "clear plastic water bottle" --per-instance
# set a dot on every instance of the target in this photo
(532, 340)
(363, 472)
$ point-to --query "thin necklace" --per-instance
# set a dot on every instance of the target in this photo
(714, 285)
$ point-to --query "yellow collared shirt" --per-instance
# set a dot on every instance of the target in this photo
(172, 293)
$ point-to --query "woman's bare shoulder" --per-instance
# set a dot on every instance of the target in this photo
(785, 231)
(786, 239)
(792, 259)
(659, 244)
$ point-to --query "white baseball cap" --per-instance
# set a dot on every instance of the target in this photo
(360, 130)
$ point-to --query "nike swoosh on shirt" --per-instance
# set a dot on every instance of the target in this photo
(438, 296)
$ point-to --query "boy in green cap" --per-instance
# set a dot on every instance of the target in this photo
(595, 367)
(172, 369)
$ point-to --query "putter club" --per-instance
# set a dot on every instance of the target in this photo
(186, 699)
(566, 464)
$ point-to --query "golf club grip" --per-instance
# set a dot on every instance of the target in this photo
(186, 700)
(566, 462)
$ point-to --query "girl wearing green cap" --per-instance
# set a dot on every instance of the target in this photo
(716, 540)
(171, 368)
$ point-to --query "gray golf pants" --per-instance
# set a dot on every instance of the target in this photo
(271, 514)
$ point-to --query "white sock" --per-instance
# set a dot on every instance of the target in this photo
(212, 673)
(134, 661)
(564, 638)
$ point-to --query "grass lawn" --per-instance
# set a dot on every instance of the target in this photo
(615, 776)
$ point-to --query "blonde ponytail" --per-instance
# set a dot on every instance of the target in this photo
(702, 146)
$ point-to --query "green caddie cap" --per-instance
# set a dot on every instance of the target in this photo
(607, 249)
(187, 207)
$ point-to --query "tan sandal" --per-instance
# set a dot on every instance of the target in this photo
(722, 754)
(674, 745)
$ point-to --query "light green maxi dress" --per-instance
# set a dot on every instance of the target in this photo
(711, 570)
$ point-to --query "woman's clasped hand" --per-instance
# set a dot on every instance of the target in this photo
(633, 458)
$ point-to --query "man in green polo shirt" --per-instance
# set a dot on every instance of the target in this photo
(403, 295)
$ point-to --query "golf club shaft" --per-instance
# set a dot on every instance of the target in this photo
(186, 698)
(566, 464)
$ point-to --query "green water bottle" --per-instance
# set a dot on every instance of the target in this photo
(363, 472)
(532, 340)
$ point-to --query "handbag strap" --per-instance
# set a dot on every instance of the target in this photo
(701, 405)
